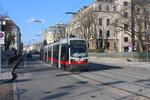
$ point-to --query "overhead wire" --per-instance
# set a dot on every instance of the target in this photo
(64, 15)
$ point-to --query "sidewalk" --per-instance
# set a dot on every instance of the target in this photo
(6, 89)
(5, 72)
(115, 62)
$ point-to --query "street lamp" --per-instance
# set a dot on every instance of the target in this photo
(70, 13)
(73, 13)
(38, 35)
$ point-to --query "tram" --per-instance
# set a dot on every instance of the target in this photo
(68, 54)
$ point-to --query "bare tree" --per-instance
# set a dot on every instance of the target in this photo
(87, 27)
(10, 39)
(124, 23)
(3, 13)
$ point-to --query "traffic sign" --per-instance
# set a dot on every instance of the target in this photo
(2, 36)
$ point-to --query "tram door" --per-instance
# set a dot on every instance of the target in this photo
(55, 55)
(49, 55)
(64, 55)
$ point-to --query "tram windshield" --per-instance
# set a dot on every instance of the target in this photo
(78, 48)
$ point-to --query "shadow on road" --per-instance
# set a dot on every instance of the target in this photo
(23, 80)
(55, 96)
(98, 67)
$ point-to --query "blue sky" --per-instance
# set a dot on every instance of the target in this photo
(23, 12)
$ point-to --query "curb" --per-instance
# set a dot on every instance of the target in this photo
(142, 65)
(13, 75)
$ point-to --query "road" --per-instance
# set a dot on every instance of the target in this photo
(39, 81)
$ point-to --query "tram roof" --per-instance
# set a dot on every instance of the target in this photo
(75, 38)
(64, 40)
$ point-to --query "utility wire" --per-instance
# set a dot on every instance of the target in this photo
(64, 15)
(78, 5)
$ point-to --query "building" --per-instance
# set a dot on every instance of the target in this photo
(12, 36)
(93, 23)
(55, 32)
(133, 22)
(35, 48)
(108, 25)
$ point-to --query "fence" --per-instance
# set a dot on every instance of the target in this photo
(128, 56)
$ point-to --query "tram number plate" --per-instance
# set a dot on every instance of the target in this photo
(79, 62)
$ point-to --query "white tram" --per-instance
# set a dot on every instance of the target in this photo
(68, 54)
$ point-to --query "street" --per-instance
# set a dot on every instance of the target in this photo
(75, 50)
(37, 80)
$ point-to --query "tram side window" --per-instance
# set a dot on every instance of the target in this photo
(65, 52)
(49, 52)
(45, 53)
(41, 53)
(56, 51)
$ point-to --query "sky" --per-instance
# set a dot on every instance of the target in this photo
(50, 12)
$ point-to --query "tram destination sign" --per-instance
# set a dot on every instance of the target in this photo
(2, 36)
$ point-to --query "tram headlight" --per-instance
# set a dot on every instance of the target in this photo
(72, 60)
(85, 60)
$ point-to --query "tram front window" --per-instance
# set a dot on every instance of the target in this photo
(78, 48)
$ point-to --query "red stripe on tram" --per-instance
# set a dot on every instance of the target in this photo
(78, 62)
(67, 62)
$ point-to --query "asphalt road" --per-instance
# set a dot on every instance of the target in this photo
(39, 81)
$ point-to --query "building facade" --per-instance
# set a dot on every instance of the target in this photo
(107, 25)
(55, 32)
(12, 36)
(35, 48)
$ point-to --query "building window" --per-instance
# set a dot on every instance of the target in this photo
(125, 14)
(100, 21)
(126, 26)
(138, 10)
(101, 44)
(126, 49)
(107, 7)
(108, 22)
(125, 3)
(115, 45)
(125, 39)
(100, 33)
(108, 33)
(100, 7)
(114, 8)
(108, 45)
(146, 24)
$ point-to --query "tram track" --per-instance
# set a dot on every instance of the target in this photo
(137, 90)
(134, 75)
(112, 87)
(134, 70)
(121, 80)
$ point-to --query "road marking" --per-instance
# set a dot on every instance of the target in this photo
(25, 61)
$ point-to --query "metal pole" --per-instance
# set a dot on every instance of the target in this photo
(0, 61)
(147, 52)
(132, 25)
(0, 51)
